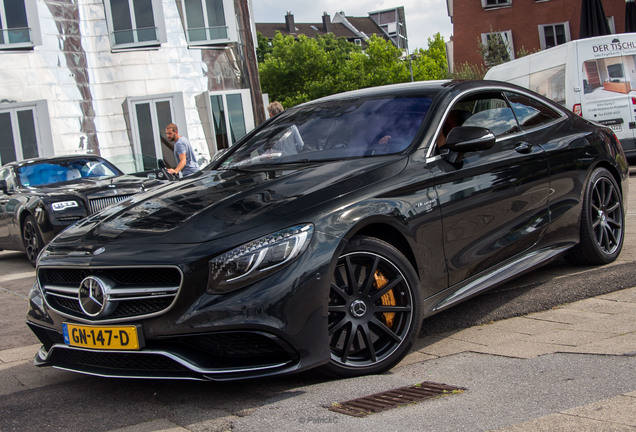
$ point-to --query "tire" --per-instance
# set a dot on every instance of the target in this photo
(31, 239)
(375, 309)
(602, 227)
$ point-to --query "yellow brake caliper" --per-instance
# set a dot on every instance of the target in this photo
(387, 299)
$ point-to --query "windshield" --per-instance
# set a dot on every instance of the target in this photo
(46, 173)
(334, 130)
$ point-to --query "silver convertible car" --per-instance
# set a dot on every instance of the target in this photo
(328, 234)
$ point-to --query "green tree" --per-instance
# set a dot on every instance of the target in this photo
(495, 50)
(262, 47)
(298, 70)
(430, 64)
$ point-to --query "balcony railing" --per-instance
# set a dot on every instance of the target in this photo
(138, 36)
(201, 35)
(16, 37)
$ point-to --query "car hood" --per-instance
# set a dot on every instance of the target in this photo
(215, 204)
(96, 187)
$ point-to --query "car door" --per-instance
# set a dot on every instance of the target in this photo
(494, 202)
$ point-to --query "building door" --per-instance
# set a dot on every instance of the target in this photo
(150, 118)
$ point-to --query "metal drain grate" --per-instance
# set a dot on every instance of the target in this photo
(366, 405)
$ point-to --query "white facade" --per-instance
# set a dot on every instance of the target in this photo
(91, 79)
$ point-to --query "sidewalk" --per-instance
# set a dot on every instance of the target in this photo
(604, 325)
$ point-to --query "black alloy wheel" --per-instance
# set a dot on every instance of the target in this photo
(31, 239)
(602, 221)
(374, 309)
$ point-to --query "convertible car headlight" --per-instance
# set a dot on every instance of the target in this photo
(62, 205)
(258, 258)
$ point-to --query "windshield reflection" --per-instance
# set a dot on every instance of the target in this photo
(333, 130)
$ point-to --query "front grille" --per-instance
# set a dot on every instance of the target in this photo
(235, 345)
(160, 276)
(99, 204)
(70, 219)
(131, 292)
(109, 363)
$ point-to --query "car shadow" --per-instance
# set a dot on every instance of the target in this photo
(553, 285)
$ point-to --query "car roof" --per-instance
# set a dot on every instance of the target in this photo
(424, 88)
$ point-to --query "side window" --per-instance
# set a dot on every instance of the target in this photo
(134, 23)
(530, 112)
(18, 24)
(487, 110)
(209, 22)
(491, 111)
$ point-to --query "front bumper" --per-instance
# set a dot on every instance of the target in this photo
(215, 356)
(275, 326)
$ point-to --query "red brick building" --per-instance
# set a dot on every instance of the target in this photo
(529, 25)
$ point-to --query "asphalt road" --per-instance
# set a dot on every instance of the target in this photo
(50, 400)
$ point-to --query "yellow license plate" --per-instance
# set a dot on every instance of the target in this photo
(101, 337)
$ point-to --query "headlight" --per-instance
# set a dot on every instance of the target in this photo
(258, 258)
(63, 205)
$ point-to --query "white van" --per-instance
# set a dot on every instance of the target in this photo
(594, 77)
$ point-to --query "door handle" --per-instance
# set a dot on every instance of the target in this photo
(523, 147)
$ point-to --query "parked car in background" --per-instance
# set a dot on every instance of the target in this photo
(40, 197)
(326, 235)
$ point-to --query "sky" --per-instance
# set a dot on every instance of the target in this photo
(423, 18)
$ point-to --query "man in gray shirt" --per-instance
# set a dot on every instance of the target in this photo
(183, 153)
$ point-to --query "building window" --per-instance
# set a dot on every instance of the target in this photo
(149, 118)
(15, 17)
(24, 131)
(554, 34)
(505, 37)
(209, 21)
(231, 117)
(487, 4)
(133, 23)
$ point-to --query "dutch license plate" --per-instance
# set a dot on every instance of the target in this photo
(101, 337)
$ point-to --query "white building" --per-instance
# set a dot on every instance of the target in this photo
(107, 76)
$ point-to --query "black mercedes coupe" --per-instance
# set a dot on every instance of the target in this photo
(40, 197)
(326, 235)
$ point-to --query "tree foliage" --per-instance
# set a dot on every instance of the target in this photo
(293, 70)
(495, 50)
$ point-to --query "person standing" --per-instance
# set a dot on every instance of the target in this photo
(183, 153)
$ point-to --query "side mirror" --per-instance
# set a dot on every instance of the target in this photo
(464, 139)
(161, 164)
